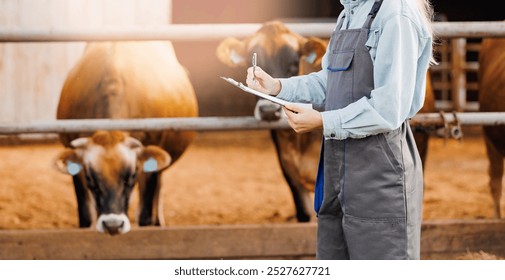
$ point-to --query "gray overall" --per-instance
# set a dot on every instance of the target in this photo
(373, 186)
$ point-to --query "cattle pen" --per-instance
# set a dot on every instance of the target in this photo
(440, 239)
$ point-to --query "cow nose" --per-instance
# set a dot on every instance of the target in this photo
(270, 114)
(113, 224)
(267, 111)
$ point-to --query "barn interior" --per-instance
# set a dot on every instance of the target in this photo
(212, 186)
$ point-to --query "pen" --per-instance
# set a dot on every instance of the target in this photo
(254, 65)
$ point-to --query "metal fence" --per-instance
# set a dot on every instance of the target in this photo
(199, 32)
(202, 32)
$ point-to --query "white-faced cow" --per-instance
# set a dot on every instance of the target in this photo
(491, 77)
(121, 80)
(283, 53)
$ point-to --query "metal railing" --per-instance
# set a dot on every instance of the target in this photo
(200, 32)
(225, 123)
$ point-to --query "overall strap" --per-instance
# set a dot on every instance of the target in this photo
(373, 12)
(339, 26)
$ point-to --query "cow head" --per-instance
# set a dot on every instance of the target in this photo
(279, 52)
(312, 55)
(108, 164)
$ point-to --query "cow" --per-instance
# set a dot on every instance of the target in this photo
(122, 80)
(422, 134)
(491, 80)
(283, 53)
(279, 53)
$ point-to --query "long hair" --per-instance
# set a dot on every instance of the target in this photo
(426, 10)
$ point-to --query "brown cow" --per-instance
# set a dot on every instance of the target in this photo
(279, 51)
(298, 153)
(421, 134)
(121, 80)
(283, 53)
(491, 77)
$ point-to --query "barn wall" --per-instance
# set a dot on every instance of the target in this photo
(32, 74)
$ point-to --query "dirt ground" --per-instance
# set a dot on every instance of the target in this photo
(230, 178)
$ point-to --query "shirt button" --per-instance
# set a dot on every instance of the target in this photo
(332, 135)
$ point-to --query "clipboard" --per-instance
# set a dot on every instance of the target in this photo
(255, 92)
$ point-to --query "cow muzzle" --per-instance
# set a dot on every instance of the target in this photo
(267, 111)
(113, 224)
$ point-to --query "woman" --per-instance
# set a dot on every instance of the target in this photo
(373, 80)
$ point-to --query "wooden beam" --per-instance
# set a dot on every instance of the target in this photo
(439, 240)
(451, 238)
(194, 242)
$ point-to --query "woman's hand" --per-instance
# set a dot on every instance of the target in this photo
(262, 82)
(305, 119)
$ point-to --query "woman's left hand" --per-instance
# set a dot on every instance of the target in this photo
(305, 119)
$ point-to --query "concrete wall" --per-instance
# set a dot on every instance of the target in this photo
(32, 74)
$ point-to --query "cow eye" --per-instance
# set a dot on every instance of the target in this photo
(89, 179)
(129, 178)
(92, 180)
(132, 180)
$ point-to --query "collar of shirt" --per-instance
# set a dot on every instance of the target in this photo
(356, 12)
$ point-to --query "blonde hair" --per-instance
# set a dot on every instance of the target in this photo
(427, 15)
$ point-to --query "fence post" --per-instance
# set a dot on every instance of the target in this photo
(458, 62)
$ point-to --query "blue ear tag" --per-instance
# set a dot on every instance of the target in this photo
(311, 58)
(73, 168)
(150, 165)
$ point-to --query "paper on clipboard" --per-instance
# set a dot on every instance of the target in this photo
(255, 92)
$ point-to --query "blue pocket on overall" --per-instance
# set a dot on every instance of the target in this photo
(319, 188)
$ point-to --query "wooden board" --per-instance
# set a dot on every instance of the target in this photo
(195, 242)
(452, 238)
(440, 240)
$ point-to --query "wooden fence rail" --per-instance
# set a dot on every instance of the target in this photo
(439, 240)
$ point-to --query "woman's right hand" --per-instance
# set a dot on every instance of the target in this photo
(262, 82)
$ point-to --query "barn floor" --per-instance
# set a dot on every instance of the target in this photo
(230, 178)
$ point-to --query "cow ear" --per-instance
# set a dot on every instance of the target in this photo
(68, 162)
(153, 159)
(232, 52)
(134, 144)
(313, 49)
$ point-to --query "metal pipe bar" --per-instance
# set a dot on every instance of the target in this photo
(470, 29)
(220, 123)
(466, 119)
(148, 124)
(202, 32)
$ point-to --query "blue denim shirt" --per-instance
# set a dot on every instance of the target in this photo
(400, 47)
